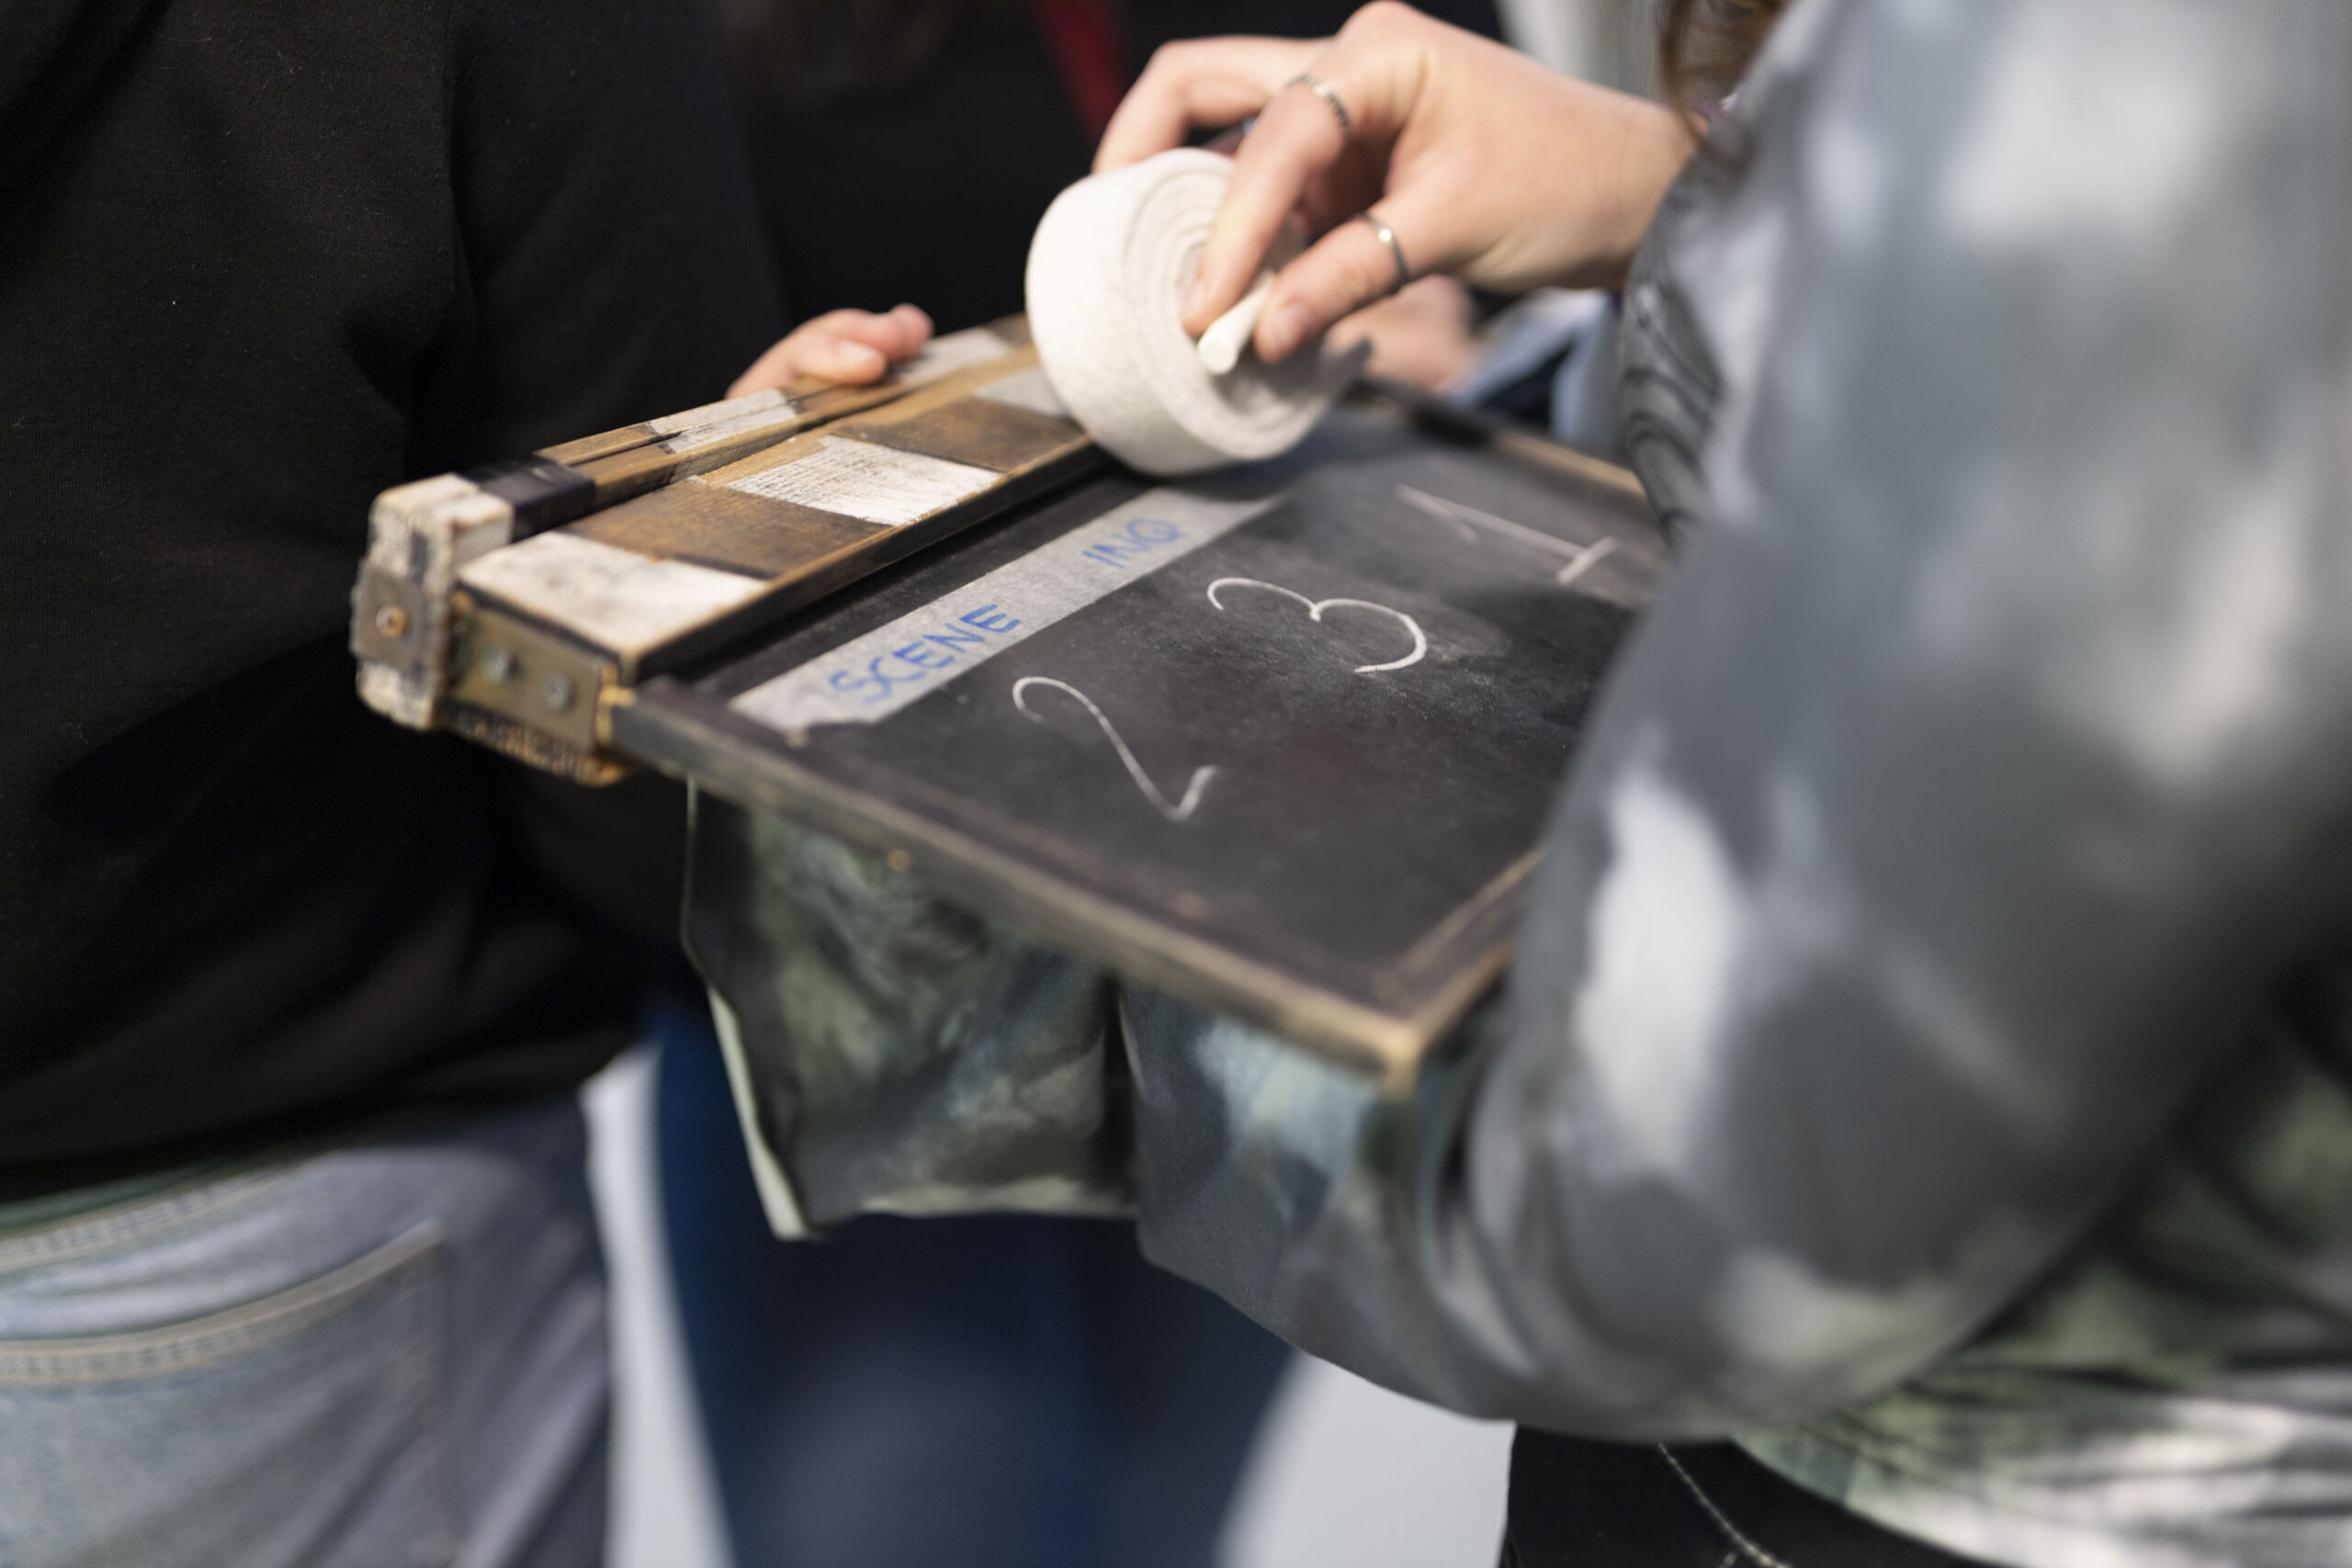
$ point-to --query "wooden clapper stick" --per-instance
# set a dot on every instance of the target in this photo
(512, 603)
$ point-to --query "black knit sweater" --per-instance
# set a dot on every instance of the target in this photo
(258, 262)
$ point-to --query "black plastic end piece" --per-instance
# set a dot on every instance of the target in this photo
(543, 492)
(1437, 416)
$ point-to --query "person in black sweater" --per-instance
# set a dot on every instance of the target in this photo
(296, 1262)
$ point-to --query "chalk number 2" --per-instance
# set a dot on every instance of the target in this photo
(1181, 808)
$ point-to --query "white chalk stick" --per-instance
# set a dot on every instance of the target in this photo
(1228, 335)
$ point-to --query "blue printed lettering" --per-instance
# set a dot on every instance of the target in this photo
(846, 682)
(923, 657)
(1139, 536)
(952, 639)
(881, 679)
(988, 618)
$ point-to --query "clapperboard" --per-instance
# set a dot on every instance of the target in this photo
(1281, 741)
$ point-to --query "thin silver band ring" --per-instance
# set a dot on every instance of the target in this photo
(1322, 89)
(1388, 237)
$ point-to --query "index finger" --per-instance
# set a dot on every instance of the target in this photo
(1199, 82)
(1295, 139)
(1361, 89)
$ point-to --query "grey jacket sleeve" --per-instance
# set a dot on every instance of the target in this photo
(1984, 762)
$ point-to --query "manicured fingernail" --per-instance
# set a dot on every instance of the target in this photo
(1286, 327)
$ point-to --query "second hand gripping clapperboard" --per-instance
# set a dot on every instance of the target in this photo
(1280, 742)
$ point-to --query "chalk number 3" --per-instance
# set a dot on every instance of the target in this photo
(1181, 808)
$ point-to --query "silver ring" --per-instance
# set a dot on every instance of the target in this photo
(1322, 89)
(1388, 238)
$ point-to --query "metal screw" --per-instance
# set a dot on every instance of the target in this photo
(556, 692)
(391, 622)
(497, 664)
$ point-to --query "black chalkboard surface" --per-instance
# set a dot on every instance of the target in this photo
(1281, 742)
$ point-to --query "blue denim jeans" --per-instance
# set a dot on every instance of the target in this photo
(388, 1352)
(988, 1390)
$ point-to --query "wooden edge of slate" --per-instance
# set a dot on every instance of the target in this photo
(686, 743)
(718, 439)
(823, 400)
(618, 475)
(420, 533)
(1480, 428)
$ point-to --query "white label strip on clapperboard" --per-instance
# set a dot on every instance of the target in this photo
(876, 676)
(875, 484)
(613, 597)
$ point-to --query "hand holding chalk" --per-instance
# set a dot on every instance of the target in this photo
(1475, 161)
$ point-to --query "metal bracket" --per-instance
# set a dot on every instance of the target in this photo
(533, 677)
(388, 622)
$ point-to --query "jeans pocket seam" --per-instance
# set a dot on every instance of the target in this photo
(208, 1197)
(426, 1368)
(217, 1336)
